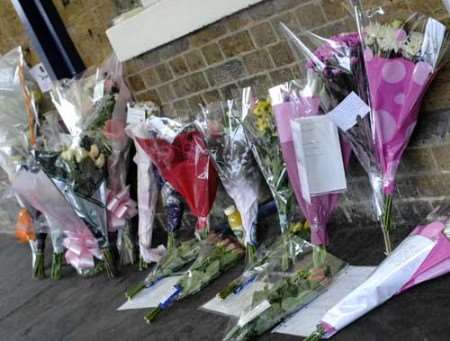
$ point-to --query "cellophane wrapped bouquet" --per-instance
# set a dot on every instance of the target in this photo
(224, 135)
(422, 256)
(148, 185)
(179, 254)
(339, 62)
(19, 141)
(121, 207)
(401, 58)
(88, 107)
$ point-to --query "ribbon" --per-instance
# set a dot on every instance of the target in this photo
(82, 247)
(121, 208)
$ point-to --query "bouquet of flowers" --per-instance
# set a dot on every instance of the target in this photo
(227, 144)
(86, 105)
(37, 188)
(284, 291)
(19, 97)
(180, 155)
(147, 186)
(422, 256)
(179, 255)
(293, 101)
(260, 130)
(338, 61)
(401, 58)
(121, 208)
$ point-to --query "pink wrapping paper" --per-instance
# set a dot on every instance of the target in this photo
(397, 87)
(319, 211)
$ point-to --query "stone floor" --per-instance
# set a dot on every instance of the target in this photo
(80, 309)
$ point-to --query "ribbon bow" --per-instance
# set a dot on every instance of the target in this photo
(121, 208)
(82, 247)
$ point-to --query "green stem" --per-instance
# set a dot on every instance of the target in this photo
(229, 289)
(38, 266)
(133, 291)
(152, 315)
(57, 262)
(143, 265)
(108, 260)
(317, 335)
(387, 224)
(251, 254)
(171, 242)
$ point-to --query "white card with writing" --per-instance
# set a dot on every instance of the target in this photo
(319, 156)
(304, 322)
(41, 76)
(135, 114)
(234, 305)
(346, 113)
(151, 297)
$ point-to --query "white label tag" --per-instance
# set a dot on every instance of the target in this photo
(41, 76)
(135, 115)
(235, 304)
(151, 297)
(99, 91)
(319, 156)
(254, 313)
(347, 112)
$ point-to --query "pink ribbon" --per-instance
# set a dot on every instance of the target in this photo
(82, 247)
(121, 208)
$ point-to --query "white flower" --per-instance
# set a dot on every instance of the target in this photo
(100, 161)
(372, 33)
(80, 154)
(388, 40)
(412, 46)
(94, 152)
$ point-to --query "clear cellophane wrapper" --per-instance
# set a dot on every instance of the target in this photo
(283, 287)
(19, 97)
(224, 135)
(37, 189)
(260, 129)
(93, 109)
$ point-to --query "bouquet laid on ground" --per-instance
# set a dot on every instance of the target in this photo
(284, 290)
(422, 256)
(20, 138)
(179, 255)
(293, 102)
(86, 106)
(225, 138)
(217, 255)
(401, 59)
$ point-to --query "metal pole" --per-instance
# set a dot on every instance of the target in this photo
(49, 38)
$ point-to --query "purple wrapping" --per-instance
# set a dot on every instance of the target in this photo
(320, 209)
